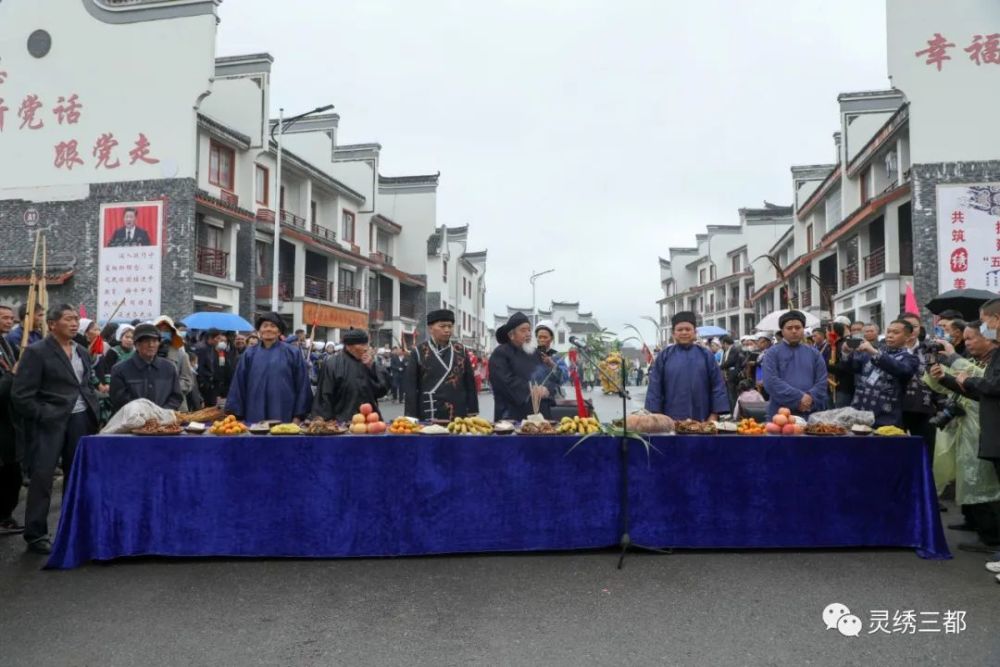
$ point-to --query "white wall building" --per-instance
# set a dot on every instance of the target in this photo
(715, 279)
(566, 319)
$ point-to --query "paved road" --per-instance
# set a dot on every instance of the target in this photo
(689, 608)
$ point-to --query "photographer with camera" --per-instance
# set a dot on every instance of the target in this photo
(919, 402)
(881, 374)
(986, 390)
(977, 490)
(839, 368)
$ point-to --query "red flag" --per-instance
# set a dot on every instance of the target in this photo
(581, 407)
(910, 302)
(83, 310)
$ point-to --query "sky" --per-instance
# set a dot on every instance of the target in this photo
(582, 136)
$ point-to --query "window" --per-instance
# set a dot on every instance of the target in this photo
(736, 264)
(221, 161)
(209, 236)
(347, 228)
(281, 198)
(444, 270)
(865, 176)
(809, 238)
(312, 211)
(711, 272)
(562, 337)
(701, 276)
(346, 279)
(262, 185)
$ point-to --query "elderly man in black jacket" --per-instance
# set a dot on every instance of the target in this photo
(54, 387)
(146, 374)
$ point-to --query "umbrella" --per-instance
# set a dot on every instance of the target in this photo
(221, 321)
(770, 323)
(709, 330)
(965, 301)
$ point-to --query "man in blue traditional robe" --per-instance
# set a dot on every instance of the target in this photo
(272, 379)
(794, 374)
(685, 382)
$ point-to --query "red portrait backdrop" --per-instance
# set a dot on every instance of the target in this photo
(146, 219)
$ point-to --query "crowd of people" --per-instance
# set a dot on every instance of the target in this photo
(942, 387)
(56, 388)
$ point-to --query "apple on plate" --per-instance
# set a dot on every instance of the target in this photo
(366, 409)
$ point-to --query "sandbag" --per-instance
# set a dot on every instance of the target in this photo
(135, 414)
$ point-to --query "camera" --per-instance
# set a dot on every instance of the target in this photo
(933, 350)
(950, 410)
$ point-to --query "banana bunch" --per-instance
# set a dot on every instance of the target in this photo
(889, 431)
(470, 426)
(578, 425)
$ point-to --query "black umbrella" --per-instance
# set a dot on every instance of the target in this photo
(965, 301)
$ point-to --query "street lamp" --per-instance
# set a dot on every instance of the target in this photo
(534, 311)
(280, 127)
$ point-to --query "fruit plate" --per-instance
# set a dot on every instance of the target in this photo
(154, 434)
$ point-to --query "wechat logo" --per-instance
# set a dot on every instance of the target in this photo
(838, 617)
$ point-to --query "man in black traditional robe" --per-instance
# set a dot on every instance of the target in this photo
(349, 379)
(439, 382)
(513, 366)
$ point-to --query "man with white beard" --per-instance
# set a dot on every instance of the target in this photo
(513, 365)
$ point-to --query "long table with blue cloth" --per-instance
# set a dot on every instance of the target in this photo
(396, 495)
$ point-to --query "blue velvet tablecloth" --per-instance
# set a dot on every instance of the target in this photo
(402, 495)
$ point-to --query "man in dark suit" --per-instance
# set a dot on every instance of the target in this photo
(732, 364)
(10, 465)
(145, 374)
(208, 367)
(54, 387)
(129, 234)
(397, 368)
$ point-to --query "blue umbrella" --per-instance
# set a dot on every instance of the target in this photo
(220, 321)
(709, 330)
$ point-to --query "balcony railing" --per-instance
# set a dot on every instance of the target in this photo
(408, 309)
(349, 296)
(213, 262)
(323, 232)
(265, 215)
(806, 299)
(747, 304)
(381, 257)
(285, 283)
(318, 288)
(734, 303)
(849, 276)
(289, 218)
(875, 264)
